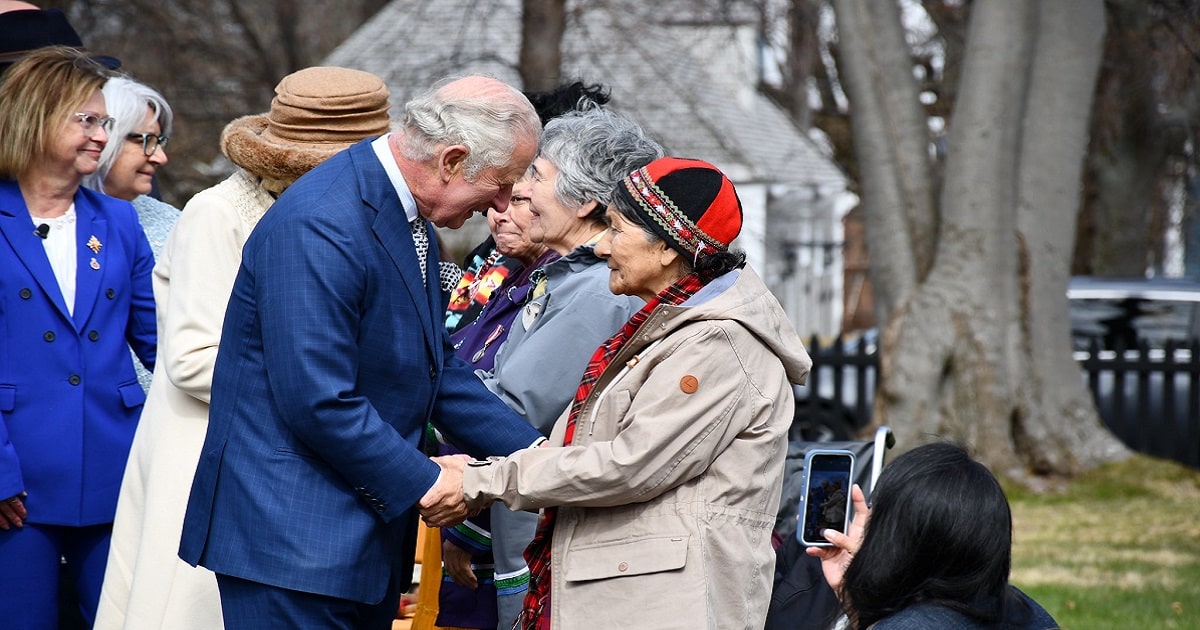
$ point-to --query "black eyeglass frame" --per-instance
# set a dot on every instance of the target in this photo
(148, 147)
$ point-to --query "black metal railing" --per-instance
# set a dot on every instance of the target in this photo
(1148, 397)
(837, 399)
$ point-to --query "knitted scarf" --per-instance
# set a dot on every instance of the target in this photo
(536, 611)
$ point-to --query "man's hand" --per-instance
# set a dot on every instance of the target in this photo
(444, 504)
(457, 562)
(835, 559)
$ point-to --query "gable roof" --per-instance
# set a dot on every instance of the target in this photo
(689, 86)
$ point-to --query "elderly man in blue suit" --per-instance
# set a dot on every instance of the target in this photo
(332, 361)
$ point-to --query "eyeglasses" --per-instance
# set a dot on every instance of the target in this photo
(150, 142)
(90, 121)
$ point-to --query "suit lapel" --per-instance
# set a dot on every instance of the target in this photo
(91, 242)
(17, 227)
(395, 235)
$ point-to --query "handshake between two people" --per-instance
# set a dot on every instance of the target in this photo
(444, 504)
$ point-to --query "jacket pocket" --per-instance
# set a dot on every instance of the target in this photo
(626, 557)
(8, 398)
(132, 395)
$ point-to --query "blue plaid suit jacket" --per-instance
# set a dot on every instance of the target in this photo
(332, 360)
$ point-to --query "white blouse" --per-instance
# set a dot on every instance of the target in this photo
(60, 249)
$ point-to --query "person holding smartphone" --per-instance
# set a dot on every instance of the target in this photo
(912, 561)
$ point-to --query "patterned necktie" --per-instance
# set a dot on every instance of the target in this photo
(449, 275)
(421, 240)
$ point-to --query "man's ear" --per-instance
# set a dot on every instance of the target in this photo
(451, 160)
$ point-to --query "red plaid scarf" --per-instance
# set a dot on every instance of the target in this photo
(536, 612)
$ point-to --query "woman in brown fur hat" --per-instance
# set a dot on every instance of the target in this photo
(316, 113)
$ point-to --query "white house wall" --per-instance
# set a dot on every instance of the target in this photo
(752, 239)
(804, 246)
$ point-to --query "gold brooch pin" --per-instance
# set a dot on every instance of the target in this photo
(94, 244)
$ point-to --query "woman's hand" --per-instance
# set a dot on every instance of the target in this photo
(12, 512)
(458, 564)
(835, 559)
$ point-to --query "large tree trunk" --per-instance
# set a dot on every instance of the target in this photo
(1057, 431)
(1146, 104)
(975, 350)
(803, 57)
(540, 60)
(890, 143)
(959, 318)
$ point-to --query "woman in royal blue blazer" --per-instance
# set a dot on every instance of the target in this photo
(75, 294)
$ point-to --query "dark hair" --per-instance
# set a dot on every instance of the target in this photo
(566, 98)
(706, 267)
(940, 532)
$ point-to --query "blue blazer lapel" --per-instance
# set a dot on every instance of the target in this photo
(91, 241)
(395, 235)
(18, 229)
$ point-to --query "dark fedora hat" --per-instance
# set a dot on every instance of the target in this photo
(25, 30)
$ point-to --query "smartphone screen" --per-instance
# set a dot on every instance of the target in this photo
(825, 503)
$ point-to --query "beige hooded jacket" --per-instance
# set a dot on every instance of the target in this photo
(671, 486)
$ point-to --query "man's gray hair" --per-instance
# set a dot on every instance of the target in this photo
(490, 125)
(593, 149)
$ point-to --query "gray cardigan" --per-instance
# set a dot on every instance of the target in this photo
(157, 219)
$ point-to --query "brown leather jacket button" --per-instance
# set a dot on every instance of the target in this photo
(689, 384)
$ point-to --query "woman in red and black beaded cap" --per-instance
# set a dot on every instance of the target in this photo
(663, 480)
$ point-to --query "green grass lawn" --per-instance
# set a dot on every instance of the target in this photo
(1118, 548)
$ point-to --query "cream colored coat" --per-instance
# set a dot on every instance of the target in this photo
(671, 485)
(146, 585)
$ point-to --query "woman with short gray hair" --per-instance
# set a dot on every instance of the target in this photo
(136, 107)
(137, 147)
